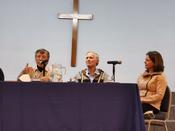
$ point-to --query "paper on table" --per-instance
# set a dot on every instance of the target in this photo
(25, 78)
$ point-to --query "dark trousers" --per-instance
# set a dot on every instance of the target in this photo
(148, 107)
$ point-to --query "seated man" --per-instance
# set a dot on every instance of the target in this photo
(40, 73)
(91, 73)
(1, 75)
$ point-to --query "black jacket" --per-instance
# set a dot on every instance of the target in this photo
(1, 75)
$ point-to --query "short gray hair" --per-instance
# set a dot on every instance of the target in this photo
(95, 54)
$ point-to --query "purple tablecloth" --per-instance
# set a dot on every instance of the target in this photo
(37, 106)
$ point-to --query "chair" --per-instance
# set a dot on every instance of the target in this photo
(163, 116)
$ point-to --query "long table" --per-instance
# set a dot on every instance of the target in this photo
(39, 106)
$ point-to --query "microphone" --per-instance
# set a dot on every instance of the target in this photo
(44, 62)
(114, 62)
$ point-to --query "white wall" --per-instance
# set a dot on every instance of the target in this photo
(121, 30)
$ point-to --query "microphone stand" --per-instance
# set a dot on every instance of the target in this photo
(113, 72)
(44, 71)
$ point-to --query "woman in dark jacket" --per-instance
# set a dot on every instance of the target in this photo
(1, 75)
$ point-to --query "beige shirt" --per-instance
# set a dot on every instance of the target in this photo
(36, 75)
(152, 88)
(84, 76)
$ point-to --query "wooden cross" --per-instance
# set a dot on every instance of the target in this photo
(75, 17)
